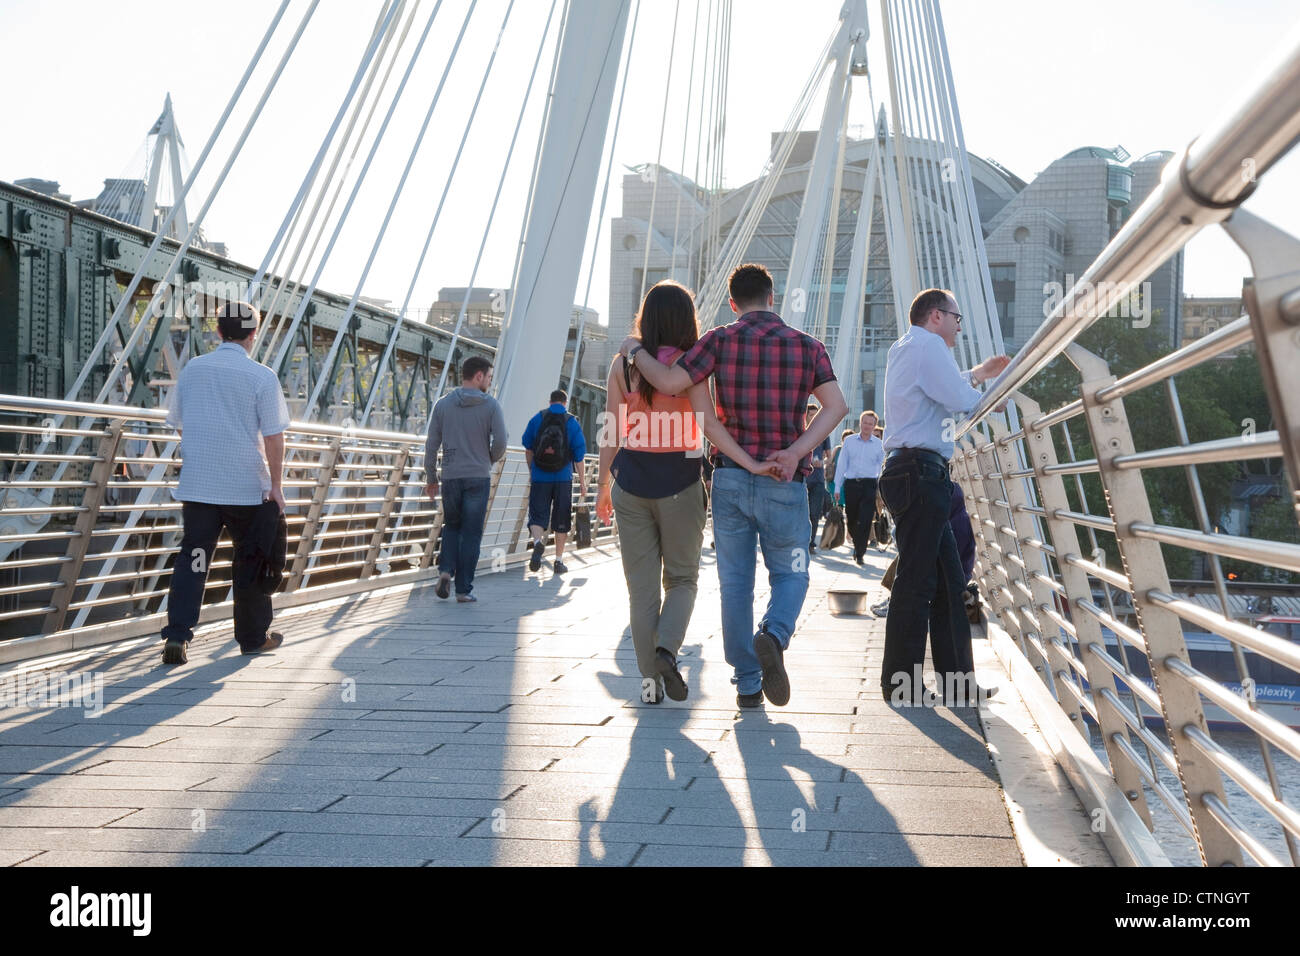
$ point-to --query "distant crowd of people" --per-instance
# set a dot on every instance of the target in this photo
(765, 397)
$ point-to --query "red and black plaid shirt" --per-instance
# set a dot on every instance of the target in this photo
(763, 372)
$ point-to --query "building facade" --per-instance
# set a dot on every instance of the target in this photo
(1036, 234)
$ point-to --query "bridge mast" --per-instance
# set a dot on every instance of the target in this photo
(546, 272)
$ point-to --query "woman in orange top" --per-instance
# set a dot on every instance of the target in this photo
(651, 451)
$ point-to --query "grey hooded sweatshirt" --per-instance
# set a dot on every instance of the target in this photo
(470, 428)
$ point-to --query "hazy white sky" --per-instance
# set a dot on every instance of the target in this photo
(1034, 81)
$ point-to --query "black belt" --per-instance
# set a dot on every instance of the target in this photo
(916, 454)
(847, 480)
(722, 461)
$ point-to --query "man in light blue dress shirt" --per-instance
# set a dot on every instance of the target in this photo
(856, 475)
(925, 394)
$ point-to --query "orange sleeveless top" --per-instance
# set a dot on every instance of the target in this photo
(667, 425)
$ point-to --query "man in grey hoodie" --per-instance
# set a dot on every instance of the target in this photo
(470, 427)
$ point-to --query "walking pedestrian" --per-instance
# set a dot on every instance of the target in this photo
(231, 414)
(763, 372)
(856, 475)
(816, 481)
(924, 392)
(651, 453)
(470, 428)
(554, 445)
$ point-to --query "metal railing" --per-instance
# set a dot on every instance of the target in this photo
(1109, 643)
(88, 534)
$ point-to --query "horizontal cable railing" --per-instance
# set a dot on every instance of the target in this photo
(95, 548)
(1158, 673)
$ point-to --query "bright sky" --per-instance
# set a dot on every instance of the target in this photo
(1034, 80)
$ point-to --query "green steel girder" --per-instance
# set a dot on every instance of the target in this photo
(70, 264)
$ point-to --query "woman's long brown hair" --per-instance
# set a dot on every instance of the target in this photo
(667, 318)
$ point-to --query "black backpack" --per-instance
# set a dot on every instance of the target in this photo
(551, 453)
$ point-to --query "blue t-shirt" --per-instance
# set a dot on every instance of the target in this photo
(823, 452)
(577, 445)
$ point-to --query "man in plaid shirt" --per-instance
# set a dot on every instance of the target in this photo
(763, 372)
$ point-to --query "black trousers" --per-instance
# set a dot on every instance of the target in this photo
(859, 511)
(927, 595)
(202, 526)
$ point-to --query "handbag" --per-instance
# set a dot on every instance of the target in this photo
(582, 526)
(833, 531)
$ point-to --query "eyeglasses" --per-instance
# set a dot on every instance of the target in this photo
(946, 312)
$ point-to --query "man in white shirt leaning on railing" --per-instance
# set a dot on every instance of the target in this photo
(925, 393)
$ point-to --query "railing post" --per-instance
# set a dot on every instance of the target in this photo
(431, 546)
(386, 510)
(1161, 629)
(92, 501)
(1065, 540)
(307, 536)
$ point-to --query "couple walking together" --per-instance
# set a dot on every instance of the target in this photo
(763, 372)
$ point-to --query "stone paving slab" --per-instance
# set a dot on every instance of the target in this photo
(400, 729)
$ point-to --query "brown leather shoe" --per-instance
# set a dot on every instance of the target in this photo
(273, 640)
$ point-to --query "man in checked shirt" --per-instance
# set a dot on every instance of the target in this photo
(763, 372)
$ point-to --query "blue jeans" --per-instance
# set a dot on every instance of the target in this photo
(928, 586)
(749, 511)
(464, 509)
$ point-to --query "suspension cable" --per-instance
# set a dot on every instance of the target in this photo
(278, 365)
(273, 318)
(345, 321)
(663, 123)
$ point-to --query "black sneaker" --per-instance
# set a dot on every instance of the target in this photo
(174, 652)
(560, 568)
(750, 700)
(776, 683)
(444, 586)
(674, 683)
(535, 562)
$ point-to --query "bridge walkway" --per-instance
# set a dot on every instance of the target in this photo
(395, 728)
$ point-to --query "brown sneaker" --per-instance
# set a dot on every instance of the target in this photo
(273, 640)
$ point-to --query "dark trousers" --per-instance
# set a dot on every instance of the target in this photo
(816, 504)
(859, 511)
(202, 526)
(464, 509)
(928, 585)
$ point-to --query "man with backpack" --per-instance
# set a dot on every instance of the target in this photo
(553, 443)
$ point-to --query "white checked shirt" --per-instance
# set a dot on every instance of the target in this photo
(859, 459)
(925, 393)
(224, 402)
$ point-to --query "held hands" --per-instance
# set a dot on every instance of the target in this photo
(786, 462)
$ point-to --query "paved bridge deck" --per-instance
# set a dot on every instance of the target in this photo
(400, 729)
